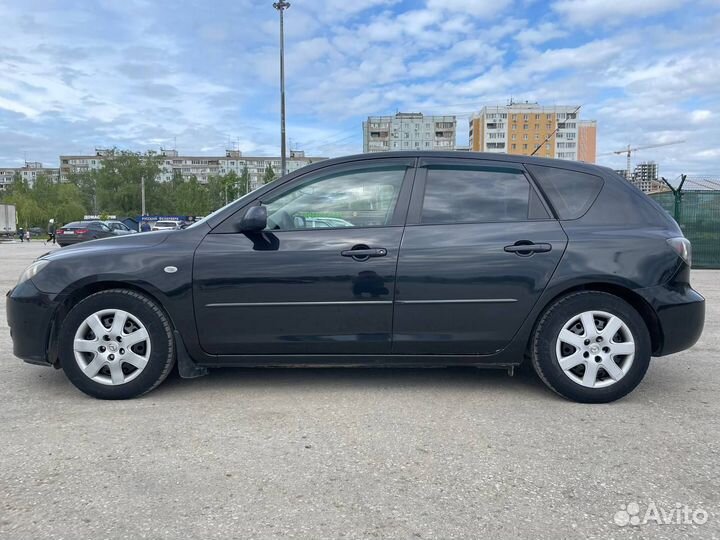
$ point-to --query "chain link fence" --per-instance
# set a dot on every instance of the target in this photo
(697, 211)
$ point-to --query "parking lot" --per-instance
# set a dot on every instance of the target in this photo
(361, 453)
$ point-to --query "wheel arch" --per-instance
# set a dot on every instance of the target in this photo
(85, 290)
(631, 297)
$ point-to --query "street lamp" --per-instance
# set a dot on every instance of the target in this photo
(281, 7)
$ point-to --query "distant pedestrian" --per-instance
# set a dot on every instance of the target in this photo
(21, 234)
(51, 231)
(145, 227)
(27, 235)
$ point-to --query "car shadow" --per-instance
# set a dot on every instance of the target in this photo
(360, 378)
(326, 379)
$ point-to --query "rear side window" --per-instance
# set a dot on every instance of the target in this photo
(462, 195)
(570, 192)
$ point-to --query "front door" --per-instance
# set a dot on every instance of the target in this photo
(479, 248)
(320, 279)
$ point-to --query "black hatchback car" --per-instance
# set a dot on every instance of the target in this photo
(427, 259)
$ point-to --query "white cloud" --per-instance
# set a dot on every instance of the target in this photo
(540, 34)
(477, 8)
(700, 115)
(586, 12)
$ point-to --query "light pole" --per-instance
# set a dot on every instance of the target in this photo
(281, 7)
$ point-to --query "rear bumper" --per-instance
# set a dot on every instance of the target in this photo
(66, 240)
(30, 315)
(680, 312)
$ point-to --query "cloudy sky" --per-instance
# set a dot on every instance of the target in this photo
(140, 74)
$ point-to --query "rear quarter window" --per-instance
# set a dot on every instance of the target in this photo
(571, 193)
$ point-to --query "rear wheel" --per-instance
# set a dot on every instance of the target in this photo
(116, 344)
(591, 347)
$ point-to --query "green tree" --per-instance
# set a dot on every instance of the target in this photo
(44, 200)
(244, 184)
(119, 179)
(86, 182)
(269, 175)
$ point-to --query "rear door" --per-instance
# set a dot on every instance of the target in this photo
(479, 247)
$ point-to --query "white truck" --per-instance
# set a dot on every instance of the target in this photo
(8, 220)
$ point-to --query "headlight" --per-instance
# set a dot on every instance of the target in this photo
(32, 270)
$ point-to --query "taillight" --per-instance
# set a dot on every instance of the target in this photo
(59, 231)
(81, 231)
(682, 247)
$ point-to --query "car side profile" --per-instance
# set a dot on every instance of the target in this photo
(82, 231)
(118, 228)
(391, 259)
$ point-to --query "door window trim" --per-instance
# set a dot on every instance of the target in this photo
(401, 205)
(414, 216)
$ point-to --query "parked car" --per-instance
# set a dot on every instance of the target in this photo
(167, 225)
(36, 231)
(119, 228)
(80, 231)
(467, 260)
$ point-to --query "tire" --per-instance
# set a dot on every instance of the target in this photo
(584, 375)
(133, 356)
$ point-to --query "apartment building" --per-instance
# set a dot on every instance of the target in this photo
(201, 167)
(645, 176)
(409, 131)
(81, 164)
(28, 172)
(587, 141)
(524, 128)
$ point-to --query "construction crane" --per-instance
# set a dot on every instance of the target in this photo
(629, 151)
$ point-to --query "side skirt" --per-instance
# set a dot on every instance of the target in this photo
(348, 361)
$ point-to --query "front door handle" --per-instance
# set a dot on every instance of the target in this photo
(363, 253)
(525, 248)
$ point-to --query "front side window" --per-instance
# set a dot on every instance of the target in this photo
(463, 195)
(360, 198)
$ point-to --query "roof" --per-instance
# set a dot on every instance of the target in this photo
(489, 156)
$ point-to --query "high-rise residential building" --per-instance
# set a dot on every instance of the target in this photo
(645, 176)
(587, 141)
(201, 167)
(409, 131)
(28, 172)
(524, 128)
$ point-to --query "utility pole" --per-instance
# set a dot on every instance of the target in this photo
(142, 192)
(281, 7)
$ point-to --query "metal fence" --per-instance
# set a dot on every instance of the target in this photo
(698, 214)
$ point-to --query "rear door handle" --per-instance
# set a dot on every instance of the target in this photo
(363, 254)
(525, 249)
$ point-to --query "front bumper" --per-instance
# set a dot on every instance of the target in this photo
(680, 312)
(30, 315)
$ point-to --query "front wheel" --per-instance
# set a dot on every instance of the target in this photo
(116, 344)
(591, 347)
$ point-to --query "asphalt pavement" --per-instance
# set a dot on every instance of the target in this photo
(360, 453)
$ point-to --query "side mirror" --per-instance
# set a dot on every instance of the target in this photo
(255, 219)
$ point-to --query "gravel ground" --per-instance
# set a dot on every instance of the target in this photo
(362, 453)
